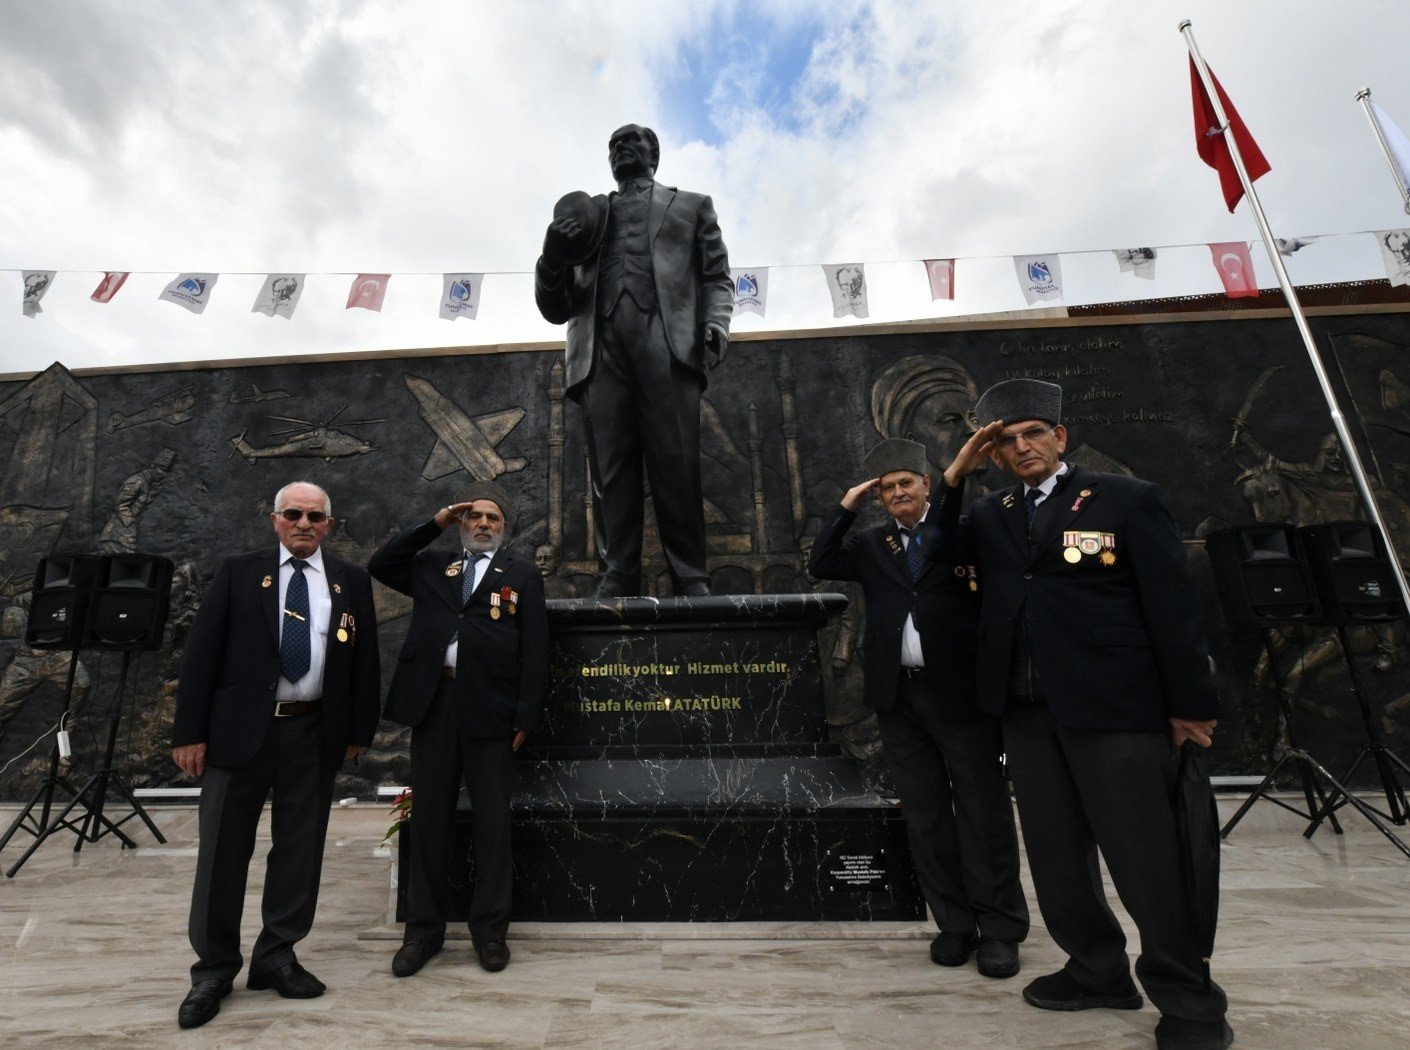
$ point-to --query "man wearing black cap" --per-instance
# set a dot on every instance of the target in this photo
(641, 277)
(470, 684)
(943, 753)
(1093, 651)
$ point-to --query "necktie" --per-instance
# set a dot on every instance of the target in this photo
(1030, 505)
(467, 577)
(295, 649)
(913, 552)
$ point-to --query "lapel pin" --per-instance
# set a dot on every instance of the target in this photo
(337, 588)
(268, 581)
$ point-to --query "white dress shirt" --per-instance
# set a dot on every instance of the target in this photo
(320, 608)
(482, 566)
(1046, 488)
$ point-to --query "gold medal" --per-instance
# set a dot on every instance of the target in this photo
(342, 635)
(453, 569)
(1108, 557)
(494, 612)
(268, 581)
(1071, 555)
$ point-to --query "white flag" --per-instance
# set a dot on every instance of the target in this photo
(1040, 277)
(280, 295)
(460, 295)
(751, 290)
(1291, 245)
(36, 283)
(191, 290)
(1139, 261)
(1395, 250)
(1396, 143)
(847, 282)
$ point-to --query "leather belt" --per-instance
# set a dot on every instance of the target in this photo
(293, 708)
(447, 672)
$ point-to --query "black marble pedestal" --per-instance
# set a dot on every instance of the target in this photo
(683, 774)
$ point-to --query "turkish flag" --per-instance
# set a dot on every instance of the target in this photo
(1235, 266)
(1210, 141)
(367, 291)
(941, 273)
(108, 287)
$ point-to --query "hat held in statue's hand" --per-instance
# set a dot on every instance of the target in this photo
(895, 454)
(591, 214)
(1015, 400)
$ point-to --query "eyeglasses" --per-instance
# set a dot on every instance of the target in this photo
(1030, 436)
(315, 517)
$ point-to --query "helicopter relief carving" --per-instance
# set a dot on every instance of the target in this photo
(307, 439)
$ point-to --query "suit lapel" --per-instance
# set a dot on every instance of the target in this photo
(490, 581)
(1015, 517)
(269, 600)
(1068, 505)
(661, 197)
(336, 581)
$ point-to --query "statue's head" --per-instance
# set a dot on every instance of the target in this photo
(633, 151)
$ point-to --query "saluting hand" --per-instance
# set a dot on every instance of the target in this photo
(446, 515)
(854, 496)
(975, 451)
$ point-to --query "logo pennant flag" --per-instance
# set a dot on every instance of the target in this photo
(279, 295)
(367, 291)
(847, 283)
(1139, 261)
(36, 283)
(1040, 277)
(1395, 250)
(460, 295)
(751, 290)
(108, 287)
(1214, 150)
(1235, 266)
(941, 274)
(190, 290)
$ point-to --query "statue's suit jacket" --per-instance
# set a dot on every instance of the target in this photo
(691, 271)
(230, 665)
(501, 662)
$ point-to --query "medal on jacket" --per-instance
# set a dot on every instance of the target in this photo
(1077, 503)
(494, 606)
(268, 581)
(337, 588)
(511, 599)
(453, 569)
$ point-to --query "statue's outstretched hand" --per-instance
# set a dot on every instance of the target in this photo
(716, 346)
(558, 241)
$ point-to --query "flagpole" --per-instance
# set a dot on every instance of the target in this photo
(1364, 97)
(1353, 457)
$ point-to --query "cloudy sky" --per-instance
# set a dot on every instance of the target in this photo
(337, 136)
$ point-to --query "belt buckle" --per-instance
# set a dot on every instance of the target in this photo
(280, 705)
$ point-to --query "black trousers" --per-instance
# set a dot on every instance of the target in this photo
(1084, 790)
(642, 410)
(289, 765)
(440, 756)
(958, 816)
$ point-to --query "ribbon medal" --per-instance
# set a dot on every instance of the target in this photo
(494, 606)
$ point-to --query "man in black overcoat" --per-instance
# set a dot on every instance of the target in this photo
(470, 684)
(943, 752)
(279, 684)
(641, 277)
(1092, 648)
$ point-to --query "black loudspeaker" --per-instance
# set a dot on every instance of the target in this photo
(1353, 575)
(131, 599)
(1262, 575)
(63, 584)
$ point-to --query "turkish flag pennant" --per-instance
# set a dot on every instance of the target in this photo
(367, 291)
(1214, 150)
(941, 274)
(1235, 266)
(108, 287)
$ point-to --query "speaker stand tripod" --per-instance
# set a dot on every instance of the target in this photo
(90, 798)
(1389, 767)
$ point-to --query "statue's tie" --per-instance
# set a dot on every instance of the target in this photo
(295, 646)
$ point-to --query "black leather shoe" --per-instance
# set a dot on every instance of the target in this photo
(996, 958)
(1180, 1033)
(202, 1002)
(952, 949)
(291, 981)
(413, 955)
(1059, 991)
(494, 955)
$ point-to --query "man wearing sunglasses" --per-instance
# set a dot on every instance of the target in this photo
(1092, 649)
(279, 685)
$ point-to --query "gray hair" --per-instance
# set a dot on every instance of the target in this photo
(280, 499)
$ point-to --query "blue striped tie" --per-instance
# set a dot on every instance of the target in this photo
(295, 648)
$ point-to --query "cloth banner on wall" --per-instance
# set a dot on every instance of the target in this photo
(847, 284)
(941, 275)
(108, 287)
(367, 291)
(36, 284)
(1235, 266)
(751, 290)
(279, 295)
(460, 295)
(1139, 261)
(1040, 277)
(1395, 251)
(190, 290)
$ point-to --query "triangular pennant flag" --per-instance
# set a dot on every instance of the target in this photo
(847, 284)
(460, 295)
(1235, 266)
(1139, 261)
(1396, 143)
(367, 291)
(1040, 277)
(108, 286)
(36, 283)
(941, 275)
(1395, 251)
(190, 290)
(1292, 245)
(751, 290)
(279, 295)
(1213, 149)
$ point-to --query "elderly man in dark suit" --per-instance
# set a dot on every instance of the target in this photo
(279, 684)
(470, 684)
(1092, 649)
(943, 752)
(642, 278)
